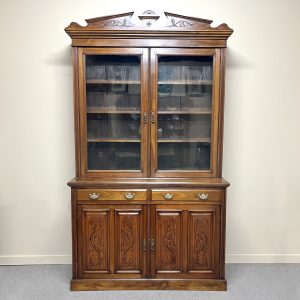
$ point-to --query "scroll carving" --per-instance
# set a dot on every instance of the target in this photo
(169, 243)
(96, 243)
(180, 23)
(127, 242)
(201, 242)
(118, 23)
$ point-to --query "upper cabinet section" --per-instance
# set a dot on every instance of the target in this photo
(148, 92)
(150, 26)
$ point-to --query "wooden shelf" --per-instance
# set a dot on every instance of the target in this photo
(108, 140)
(96, 110)
(104, 81)
(189, 82)
(184, 112)
(192, 140)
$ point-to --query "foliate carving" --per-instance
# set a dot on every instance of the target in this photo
(201, 242)
(180, 23)
(169, 243)
(96, 243)
(148, 12)
(118, 23)
(127, 242)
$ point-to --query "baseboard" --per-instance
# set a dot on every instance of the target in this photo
(67, 259)
(35, 259)
(262, 258)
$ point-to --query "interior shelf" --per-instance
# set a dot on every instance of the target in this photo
(111, 140)
(184, 112)
(187, 82)
(107, 81)
(96, 110)
(192, 140)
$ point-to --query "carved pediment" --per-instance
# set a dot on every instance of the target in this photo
(147, 21)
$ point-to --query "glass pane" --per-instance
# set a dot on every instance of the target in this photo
(184, 112)
(113, 98)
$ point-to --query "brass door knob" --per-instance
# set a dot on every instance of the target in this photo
(94, 196)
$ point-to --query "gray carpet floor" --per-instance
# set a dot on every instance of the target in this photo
(245, 281)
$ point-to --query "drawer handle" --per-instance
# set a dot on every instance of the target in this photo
(94, 196)
(129, 196)
(168, 196)
(203, 196)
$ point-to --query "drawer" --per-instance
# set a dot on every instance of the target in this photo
(111, 194)
(188, 195)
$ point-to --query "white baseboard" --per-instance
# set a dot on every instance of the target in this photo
(67, 259)
(35, 259)
(262, 258)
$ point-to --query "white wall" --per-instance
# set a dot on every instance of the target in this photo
(262, 123)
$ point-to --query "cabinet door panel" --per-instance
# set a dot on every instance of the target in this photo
(167, 233)
(113, 112)
(95, 234)
(128, 240)
(201, 241)
(110, 241)
(185, 106)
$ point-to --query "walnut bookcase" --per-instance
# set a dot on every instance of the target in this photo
(148, 199)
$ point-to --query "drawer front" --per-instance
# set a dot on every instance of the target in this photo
(188, 195)
(111, 194)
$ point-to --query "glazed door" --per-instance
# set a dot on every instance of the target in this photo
(184, 108)
(113, 111)
(111, 241)
(185, 241)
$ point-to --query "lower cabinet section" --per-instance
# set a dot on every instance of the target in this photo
(118, 243)
(110, 239)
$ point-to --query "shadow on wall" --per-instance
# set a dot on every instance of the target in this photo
(62, 57)
(236, 60)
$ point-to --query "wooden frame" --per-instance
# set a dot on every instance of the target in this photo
(148, 228)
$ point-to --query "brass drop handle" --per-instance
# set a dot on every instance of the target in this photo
(129, 196)
(152, 117)
(94, 196)
(152, 244)
(203, 196)
(145, 117)
(168, 196)
(144, 245)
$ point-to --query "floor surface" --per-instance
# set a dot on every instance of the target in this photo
(245, 281)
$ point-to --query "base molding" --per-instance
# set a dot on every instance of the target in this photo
(148, 284)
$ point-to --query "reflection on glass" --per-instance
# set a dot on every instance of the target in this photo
(113, 99)
(184, 156)
(184, 112)
(114, 156)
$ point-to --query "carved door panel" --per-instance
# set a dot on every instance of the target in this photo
(203, 241)
(110, 241)
(129, 227)
(186, 241)
(166, 241)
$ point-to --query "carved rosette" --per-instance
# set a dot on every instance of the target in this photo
(201, 242)
(96, 243)
(127, 242)
(169, 243)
